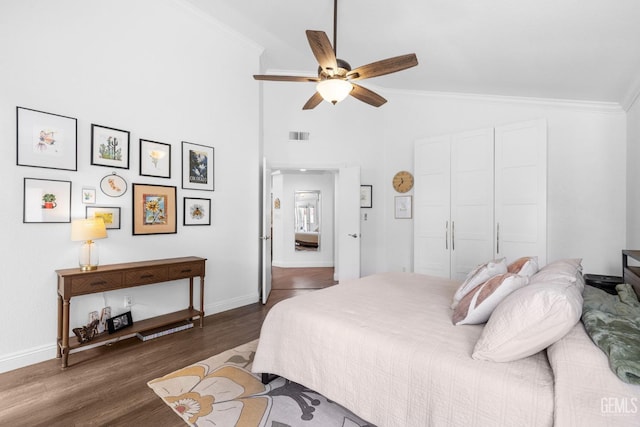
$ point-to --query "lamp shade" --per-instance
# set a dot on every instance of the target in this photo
(334, 90)
(88, 229)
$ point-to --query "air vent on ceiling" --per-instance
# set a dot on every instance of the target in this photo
(298, 136)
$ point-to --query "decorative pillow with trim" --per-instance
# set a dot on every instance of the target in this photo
(525, 266)
(479, 275)
(476, 306)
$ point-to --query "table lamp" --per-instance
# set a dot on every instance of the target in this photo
(87, 230)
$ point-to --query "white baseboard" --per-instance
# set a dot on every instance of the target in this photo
(20, 359)
(302, 264)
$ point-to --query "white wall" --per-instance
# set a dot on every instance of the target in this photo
(586, 165)
(633, 176)
(284, 253)
(162, 71)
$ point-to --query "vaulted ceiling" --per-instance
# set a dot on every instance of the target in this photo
(587, 50)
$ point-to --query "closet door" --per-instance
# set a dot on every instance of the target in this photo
(472, 201)
(453, 203)
(432, 201)
(521, 190)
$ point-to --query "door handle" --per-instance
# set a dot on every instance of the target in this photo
(265, 237)
(453, 235)
(446, 235)
(354, 235)
(497, 238)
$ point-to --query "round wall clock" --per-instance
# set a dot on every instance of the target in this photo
(113, 185)
(403, 181)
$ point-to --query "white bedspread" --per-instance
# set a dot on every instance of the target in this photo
(384, 347)
(588, 393)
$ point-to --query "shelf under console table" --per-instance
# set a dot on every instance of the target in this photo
(73, 282)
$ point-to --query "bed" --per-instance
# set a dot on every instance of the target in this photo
(384, 346)
(308, 239)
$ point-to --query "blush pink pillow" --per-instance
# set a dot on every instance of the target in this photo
(525, 266)
(479, 275)
(476, 306)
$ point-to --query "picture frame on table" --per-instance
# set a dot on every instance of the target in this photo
(155, 159)
(121, 321)
(366, 196)
(109, 214)
(197, 167)
(197, 211)
(109, 147)
(46, 201)
(88, 195)
(154, 209)
(403, 207)
(46, 140)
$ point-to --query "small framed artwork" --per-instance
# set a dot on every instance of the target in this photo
(154, 209)
(46, 200)
(121, 321)
(155, 159)
(88, 195)
(46, 140)
(109, 147)
(113, 185)
(109, 214)
(403, 207)
(197, 211)
(197, 167)
(366, 196)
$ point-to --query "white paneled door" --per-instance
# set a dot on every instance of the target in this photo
(521, 190)
(266, 231)
(348, 223)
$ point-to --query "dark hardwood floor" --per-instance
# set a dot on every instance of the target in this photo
(107, 385)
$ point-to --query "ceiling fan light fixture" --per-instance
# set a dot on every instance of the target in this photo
(334, 90)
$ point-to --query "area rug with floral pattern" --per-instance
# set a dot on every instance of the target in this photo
(222, 391)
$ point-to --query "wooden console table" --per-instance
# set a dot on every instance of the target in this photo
(73, 282)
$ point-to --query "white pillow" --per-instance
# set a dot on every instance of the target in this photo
(476, 306)
(525, 266)
(560, 271)
(529, 320)
(479, 275)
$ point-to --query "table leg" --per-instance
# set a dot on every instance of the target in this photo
(190, 293)
(59, 340)
(65, 332)
(201, 301)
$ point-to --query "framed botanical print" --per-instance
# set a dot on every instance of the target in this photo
(109, 147)
(403, 207)
(197, 211)
(46, 140)
(88, 195)
(155, 159)
(197, 167)
(366, 199)
(46, 200)
(154, 209)
(109, 214)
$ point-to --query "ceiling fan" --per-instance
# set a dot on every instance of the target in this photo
(335, 80)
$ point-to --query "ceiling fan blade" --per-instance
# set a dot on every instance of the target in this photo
(366, 95)
(285, 78)
(322, 50)
(386, 66)
(313, 102)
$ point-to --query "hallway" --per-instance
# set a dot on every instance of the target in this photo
(288, 282)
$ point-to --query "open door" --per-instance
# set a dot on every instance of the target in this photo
(348, 223)
(265, 238)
